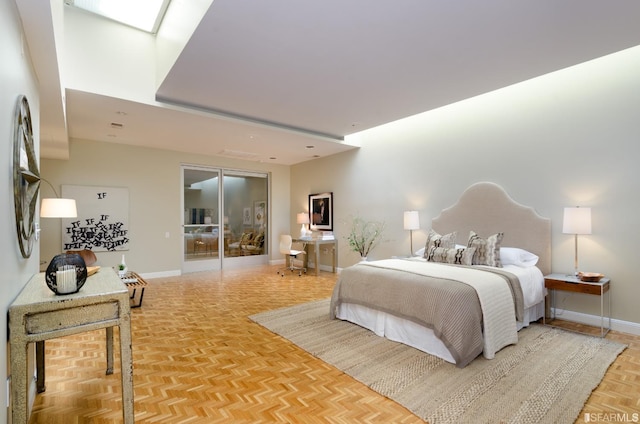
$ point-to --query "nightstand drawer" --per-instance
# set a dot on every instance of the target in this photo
(577, 286)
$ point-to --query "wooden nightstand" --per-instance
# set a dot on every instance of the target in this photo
(570, 283)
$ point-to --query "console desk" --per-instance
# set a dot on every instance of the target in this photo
(316, 242)
(38, 314)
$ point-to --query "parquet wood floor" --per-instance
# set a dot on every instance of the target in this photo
(199, 359)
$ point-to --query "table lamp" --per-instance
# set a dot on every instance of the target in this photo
(411, 222)
(303, 218)
(576, 221)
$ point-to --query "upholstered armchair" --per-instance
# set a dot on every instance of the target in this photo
(237, 246)
(255, 246)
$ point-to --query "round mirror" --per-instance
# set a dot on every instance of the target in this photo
(26, 177)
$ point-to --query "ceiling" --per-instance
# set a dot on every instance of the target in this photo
(285, 81)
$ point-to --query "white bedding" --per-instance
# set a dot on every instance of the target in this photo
(412, 334)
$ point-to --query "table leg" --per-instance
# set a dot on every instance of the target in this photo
(126, 365)
(317, 252)
(602, 311)
(19, 393)
(305, 260)
(335, 258)
(139, 303)
(40, 384)
(609, 308)
(109, 338)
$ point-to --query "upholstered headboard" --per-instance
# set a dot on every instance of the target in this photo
(487, 209)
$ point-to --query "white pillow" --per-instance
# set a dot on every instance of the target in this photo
(518, 257)
(419, 252)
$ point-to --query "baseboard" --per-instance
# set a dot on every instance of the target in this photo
(328, 268)
(171, 273)
(311, 265)
(594, 320)
(177, 272)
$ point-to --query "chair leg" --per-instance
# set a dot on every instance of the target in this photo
(290, 266)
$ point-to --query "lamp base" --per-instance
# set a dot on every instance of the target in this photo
(304, 233)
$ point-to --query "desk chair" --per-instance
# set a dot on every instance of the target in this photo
(291, 254)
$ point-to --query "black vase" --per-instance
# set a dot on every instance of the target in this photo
(66, 261)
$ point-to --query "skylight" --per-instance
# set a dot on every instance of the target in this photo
(142, 14)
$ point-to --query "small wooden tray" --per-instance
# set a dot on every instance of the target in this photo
(92, 270)
(590, 277)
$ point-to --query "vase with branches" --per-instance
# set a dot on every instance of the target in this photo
(364, 235)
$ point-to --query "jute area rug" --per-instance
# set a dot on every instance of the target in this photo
(545, 378)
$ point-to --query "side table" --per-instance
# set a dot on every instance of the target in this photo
(37, 314)
(316, 242)
(571, 283)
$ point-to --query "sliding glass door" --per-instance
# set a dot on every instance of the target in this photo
(201, 222)
(225, 218)
(246, 200)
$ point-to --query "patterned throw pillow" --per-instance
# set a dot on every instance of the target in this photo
(487, 250)
(436, 240)
(460, 256)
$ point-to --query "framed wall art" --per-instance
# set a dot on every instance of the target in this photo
(321, 211)
(103, 219)
(259, 213)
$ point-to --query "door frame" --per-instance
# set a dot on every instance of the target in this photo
(205, 264)
(223, 261)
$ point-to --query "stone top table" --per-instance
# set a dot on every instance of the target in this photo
(37, 314)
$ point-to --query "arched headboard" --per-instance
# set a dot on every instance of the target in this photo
(486, 208)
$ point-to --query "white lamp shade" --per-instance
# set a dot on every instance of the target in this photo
(58, 208)
(302, 218)
(576, 220)
(411, 220)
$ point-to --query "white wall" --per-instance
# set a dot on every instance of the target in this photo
(117, 60)
(564, 139)
(153, 179)
(16, 77)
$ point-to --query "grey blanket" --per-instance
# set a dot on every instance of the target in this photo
(449, 307)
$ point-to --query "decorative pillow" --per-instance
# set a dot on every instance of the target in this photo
(436, 240)
(460, 256)
(517, 256)
(487, 250)
(245, 238)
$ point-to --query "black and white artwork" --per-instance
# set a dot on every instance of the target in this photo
(102, 224)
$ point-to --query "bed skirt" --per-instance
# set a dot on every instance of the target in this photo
(408, 332)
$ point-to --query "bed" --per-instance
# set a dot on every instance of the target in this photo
(453, 311)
